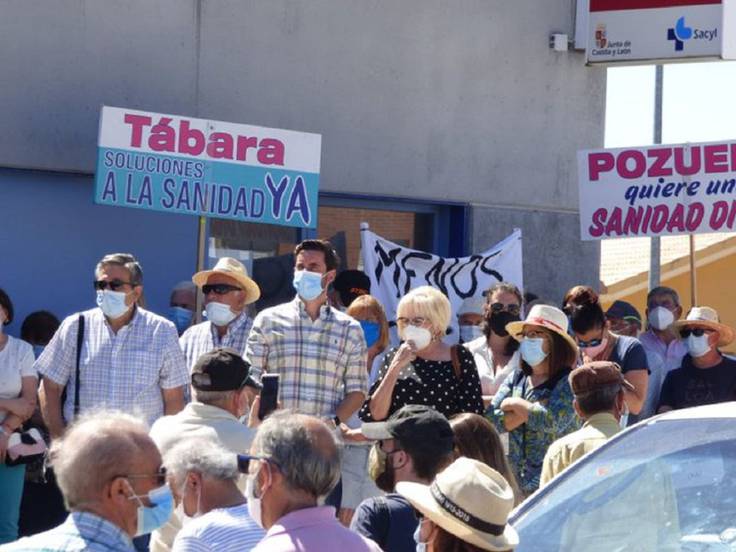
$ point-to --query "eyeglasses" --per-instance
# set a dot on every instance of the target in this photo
(114, 285)
(160, 476)
(592, 343)
(244, 462)
(697, 332)
(416, 321)
(219, 289)
(511, 309)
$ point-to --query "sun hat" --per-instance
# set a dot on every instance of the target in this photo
(592, 376)
(235, 270)
(707, 318)
(470, 500)
(544, 316)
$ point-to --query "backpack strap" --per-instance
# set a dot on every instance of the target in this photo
(80, 341)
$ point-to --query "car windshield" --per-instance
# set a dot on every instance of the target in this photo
(667, 486)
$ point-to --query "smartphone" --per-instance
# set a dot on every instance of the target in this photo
(269, 395)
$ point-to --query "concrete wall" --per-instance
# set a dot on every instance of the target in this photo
(460, 101)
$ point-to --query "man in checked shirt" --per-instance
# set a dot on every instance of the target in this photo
(318, 352)
(129, 360)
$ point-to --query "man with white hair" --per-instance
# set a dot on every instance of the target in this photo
(294, 462)
(203, 475)
(109, 471)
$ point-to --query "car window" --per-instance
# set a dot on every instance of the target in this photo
(666, 486)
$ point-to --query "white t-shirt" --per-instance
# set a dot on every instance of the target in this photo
(483, 357)
(16, 362)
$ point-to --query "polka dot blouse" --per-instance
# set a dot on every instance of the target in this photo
(433, 383)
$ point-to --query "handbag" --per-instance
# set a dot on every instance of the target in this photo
(25, 447)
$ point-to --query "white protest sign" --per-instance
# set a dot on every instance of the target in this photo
(394, 270)
(657, 190)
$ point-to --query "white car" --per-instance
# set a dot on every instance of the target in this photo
(666, 484)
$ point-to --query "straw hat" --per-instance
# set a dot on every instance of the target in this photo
(469, 500)
(544, 316)
(235, 270)
(707, 318)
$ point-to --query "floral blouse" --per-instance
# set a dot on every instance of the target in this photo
(551, 416)
(433, 383)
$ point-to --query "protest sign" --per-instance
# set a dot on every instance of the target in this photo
(657, 190)
(207, 168)
(394, 270)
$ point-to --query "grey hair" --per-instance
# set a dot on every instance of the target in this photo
(125, 260)
(94, 450)
(308, 458)
(184, 285)
(664, 290)
(213, 398)
(201, 455)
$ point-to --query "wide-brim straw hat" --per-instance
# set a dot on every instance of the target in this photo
(235, 270)
(470, 500)
(544, 316)
(707, 318)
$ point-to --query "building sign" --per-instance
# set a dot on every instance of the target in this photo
(207, 168)
(394, 270)
(642, 31)
(657, 190)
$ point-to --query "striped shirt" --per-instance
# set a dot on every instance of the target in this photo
(124, 371)
(319, 362)
(221, 529)
(202, 338)
(82, 531)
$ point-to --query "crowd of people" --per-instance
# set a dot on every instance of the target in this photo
(124, 430)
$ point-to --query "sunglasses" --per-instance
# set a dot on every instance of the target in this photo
(592, 343)
(219, 289)
(697, 332)
(160, 476)
(511, 309)
(114, 285)
(245, 459)
(416, 321)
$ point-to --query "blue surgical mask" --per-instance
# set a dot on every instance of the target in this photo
(152, 517)
(531, 350)
(308, 284)
(181, 318)
(469, 332)
(37, 350)
(112, 303)
(371, 331)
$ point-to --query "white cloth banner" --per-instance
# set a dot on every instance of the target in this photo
(395, 269)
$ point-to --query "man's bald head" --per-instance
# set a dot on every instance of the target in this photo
(96, 449)
(304, 449)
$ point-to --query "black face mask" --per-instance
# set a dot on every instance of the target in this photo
(498, 321)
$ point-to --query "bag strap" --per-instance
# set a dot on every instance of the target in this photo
(455, 356)
(80, 340)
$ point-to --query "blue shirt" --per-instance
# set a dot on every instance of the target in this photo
(222, 530)
(81, 531)
(388, 520)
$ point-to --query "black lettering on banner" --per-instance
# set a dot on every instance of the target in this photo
(410, 272)
(386, 260)
(475, 259)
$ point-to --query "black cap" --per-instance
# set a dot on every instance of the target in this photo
(351, 284)
(625, 311)
(417, 427)
(221, 369)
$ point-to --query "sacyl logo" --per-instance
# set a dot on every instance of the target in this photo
(681, 33)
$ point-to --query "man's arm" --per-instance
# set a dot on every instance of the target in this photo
(50, 398)
(173, 400)
(349, 405)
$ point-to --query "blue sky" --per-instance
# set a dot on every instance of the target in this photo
(698, 104)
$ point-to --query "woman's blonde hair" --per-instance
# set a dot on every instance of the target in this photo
(428, 303)
(365, 306)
